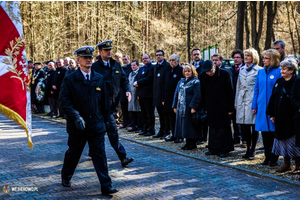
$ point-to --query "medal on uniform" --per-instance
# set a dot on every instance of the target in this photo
(271, 77)
(32, 82)
(158, 75)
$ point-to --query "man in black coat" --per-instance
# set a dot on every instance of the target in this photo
(49, 81)
(172, 77)
(238, 58)
(144, 92)
(198, 62)
(115, 79)
(158, 89)
(123, 99)
(37, 75)
(217, 101)
(59, 75)
(84, 99)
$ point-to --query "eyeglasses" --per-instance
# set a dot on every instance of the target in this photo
(266, 58)
(236, 57)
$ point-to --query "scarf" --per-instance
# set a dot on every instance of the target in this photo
(181, 104)
(250, 68)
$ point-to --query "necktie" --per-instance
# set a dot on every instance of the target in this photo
(87, 77)
(236, 68)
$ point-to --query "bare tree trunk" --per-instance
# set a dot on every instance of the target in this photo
(247, 28)
(77, 9)
(189, 32)
(296, 27)
(290, 28)
(256, 34)
(240, 25)
(270, 18)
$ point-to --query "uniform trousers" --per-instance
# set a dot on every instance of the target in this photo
(113, 136)
(126, 119)
(147, 110)
(76, 143)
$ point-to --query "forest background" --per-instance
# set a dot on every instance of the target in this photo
(54, 29)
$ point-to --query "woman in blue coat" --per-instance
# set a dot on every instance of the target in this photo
(186, 101)
(265, 81)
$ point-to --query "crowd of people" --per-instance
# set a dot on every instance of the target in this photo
(195, 102)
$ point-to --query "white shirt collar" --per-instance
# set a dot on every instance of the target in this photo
(84, 74)
(105, 63)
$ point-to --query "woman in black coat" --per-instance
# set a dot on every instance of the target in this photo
(186, 101)
(281, 113)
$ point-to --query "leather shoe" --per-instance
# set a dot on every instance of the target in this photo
(149, 134)
(266, 162)
(200, 142)
(132, 129)
(164, 136)
(158, 135)
(245, 156)
(138, 130)
(273, 164)
(66, 183)
(178, 140)
(109, 191)
(171, 138)
(126, 161)
(143, 133)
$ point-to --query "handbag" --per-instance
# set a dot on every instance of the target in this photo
(198, 118)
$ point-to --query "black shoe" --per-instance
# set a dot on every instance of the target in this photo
(150, 133)
(190, 147)
(262, 148)
(171, 138)
(64, 117)
(159, 134)
(109, 191)
(236, 141)
(66, 183)
(200, 142)
(121, 127)
(178, 140)
(138, 130)
(164, 136)
(143, 133)
(246, 156)
(223, 155)
(266, 162)
(133, 129)
(49, 114)
(126, 161)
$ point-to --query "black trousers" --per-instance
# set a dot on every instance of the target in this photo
(268, 140)
(170, 119)
(126, 119)
(204, 128)
(55, 105)
(136, 119)
(161, 118)
(250, 136)
(76, 143)
(51, 104)
(147, 110)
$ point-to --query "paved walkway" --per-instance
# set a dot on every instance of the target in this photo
(154, 174)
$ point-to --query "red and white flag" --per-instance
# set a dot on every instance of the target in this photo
(14, 83)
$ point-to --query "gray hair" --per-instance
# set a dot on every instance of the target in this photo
(72, 60)
(176, 57)
(280, 42)
(290, 63)
(127, 56)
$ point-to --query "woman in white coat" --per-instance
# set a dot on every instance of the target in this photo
(243, 100)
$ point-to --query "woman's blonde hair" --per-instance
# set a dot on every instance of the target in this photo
(253, 53)
(274, 57)
(190, 67)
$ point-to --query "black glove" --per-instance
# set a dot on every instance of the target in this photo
(80, 123)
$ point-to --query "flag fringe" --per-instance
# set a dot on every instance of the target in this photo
(15, 117)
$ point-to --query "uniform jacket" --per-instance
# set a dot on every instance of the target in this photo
(114, 77)
(244, 95)
(36, 76)
(217, 97)
(70, 71)
(183, 125)
(49, 83)
(173, 75)
(59, 75)
(281, 107)
(262, 93)
(158, 82)
(87, 99)
(127, 69)
(144, 80)
(133, 105)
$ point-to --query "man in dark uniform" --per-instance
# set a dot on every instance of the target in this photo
(114, 78)
(84, 99)
(158, 81)
(36, 77)
(57, 80)
(49, 81)
(123, 99)
(144, 84)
